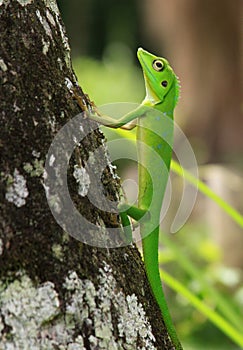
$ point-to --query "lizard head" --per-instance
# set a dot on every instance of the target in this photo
(160, 79)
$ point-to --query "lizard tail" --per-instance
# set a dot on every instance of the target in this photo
(150, 253)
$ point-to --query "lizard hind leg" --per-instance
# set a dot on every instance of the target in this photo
(138, 214)
(134, 212)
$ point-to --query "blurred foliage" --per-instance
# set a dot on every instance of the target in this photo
(92, 25)
(111, 79)
(194, 260)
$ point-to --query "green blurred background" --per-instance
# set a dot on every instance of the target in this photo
(203, 42)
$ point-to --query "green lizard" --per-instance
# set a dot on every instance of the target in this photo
(154, 137)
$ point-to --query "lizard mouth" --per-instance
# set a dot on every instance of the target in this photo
(140, 53)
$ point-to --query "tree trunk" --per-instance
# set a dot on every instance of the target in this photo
(57, 292)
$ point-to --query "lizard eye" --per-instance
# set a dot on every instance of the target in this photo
(158, 65)
(164, 83)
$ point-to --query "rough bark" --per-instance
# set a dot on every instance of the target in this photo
(55, 291)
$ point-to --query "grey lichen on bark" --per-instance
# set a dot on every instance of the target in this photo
(55, 291)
